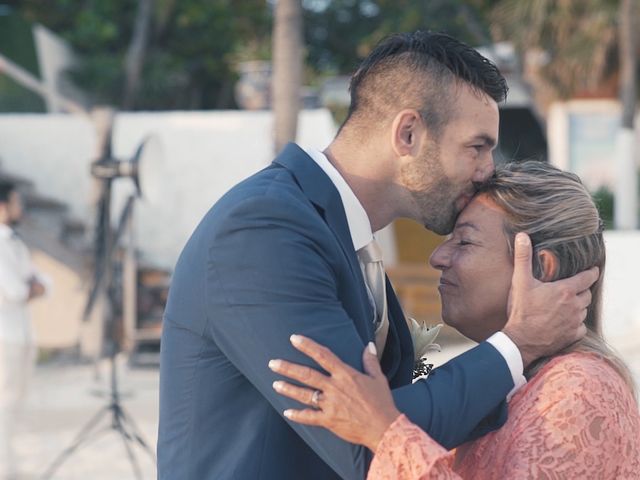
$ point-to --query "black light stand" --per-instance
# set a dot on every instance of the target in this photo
(106, 170)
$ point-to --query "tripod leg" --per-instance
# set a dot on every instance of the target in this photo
(132, 458)
(135, 434)
(77, 442)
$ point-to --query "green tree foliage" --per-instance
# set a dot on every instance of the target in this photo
(603, 199)
(193, 47)
(339, 33)
(17, 45)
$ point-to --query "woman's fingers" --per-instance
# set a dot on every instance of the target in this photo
(300, 394)
(306, 375)
(370, 361)
(584, 299)
(322, 355)
(306, 416)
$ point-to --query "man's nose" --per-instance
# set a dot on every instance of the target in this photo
(484, 172)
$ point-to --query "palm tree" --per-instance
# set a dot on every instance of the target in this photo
(136, 52)
(568, 46)
(287, 70)
(626, 205)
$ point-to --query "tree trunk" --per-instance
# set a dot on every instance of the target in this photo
(626, 195)
(136, 52)
(287, 70)
(628, 61)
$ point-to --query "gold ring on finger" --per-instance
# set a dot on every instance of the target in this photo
(315, 399)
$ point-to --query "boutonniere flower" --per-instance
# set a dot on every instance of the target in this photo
(423, 337)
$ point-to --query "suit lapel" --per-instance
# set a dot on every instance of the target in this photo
(321, 191)
(397, 361)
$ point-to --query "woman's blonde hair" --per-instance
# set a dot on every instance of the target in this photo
(558, 213)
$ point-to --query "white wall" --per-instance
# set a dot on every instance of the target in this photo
(197, 157)
(621, 289)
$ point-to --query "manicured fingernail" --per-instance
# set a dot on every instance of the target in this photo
(278, 386)
(522, 239)
(296, 339)
(274, 364)
(288, 413)
(372, 348)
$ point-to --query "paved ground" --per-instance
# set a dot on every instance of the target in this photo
(61, 402)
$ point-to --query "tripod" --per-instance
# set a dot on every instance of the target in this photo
(120, 421)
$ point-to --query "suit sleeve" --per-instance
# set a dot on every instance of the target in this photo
(461, 400)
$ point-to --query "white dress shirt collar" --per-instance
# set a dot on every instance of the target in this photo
(357, 218)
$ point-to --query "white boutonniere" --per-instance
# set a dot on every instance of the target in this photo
(423, 337)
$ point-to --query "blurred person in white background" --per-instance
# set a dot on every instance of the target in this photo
(19, 284)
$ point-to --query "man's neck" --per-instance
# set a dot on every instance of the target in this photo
(374, 191)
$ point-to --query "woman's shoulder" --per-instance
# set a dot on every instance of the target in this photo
(581, 378)
(576, 418)
(579, 370)
(580, 404)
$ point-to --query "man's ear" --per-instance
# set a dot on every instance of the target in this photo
(406, 129)
(549, 265)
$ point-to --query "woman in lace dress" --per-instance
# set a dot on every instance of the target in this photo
(576, 417)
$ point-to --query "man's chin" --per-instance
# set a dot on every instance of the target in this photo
(441, 228)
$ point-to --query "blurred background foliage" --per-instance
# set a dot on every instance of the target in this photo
(193, 46)
(191, 49)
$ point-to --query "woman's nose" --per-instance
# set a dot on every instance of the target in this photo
(440, 257)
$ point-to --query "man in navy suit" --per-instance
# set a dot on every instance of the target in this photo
(279, 254)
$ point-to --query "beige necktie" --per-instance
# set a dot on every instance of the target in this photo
(371, 257)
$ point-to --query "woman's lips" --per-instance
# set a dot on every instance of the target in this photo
(445, 283)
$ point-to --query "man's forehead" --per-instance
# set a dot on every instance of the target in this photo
(481, 120)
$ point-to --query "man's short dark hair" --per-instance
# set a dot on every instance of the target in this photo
(420, 70)
(6, 187)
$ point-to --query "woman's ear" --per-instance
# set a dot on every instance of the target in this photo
(548, 265)
(405, 129)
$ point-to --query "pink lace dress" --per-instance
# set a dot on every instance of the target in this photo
(575, 419)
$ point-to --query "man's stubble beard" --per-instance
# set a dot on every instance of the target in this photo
(433, 194)
(439, 213)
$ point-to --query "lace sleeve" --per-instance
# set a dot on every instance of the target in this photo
(407, 453)
(585, 424)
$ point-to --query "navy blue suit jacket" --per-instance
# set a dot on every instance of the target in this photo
(273, 257)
